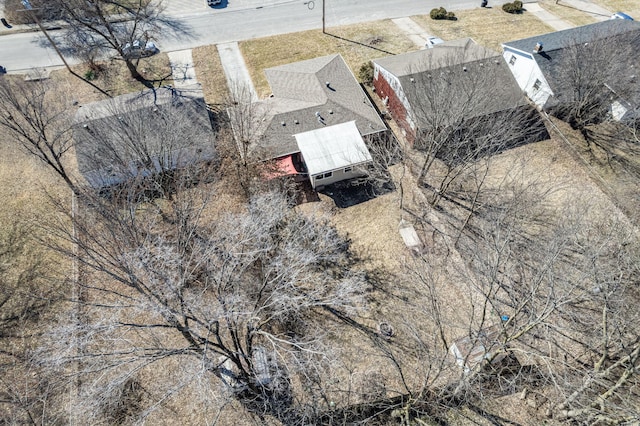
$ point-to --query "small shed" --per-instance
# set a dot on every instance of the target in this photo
(333, 153)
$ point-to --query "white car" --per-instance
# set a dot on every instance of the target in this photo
(621, 15)
(137, 50)
(432, 41)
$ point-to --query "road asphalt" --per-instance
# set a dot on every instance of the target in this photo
(266, 17)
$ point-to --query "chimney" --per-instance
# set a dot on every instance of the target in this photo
(538, 47)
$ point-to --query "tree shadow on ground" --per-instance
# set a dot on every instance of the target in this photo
(347, 193)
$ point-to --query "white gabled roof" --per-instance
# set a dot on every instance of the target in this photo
(333, 147)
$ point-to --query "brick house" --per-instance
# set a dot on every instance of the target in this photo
(415, 86)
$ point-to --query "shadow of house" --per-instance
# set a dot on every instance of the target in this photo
(459, 92)
(318, 114)
(147, 139)
(599, 60)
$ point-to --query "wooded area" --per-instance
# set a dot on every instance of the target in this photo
(194, 290)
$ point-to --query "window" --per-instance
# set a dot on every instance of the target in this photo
(323, 176)
(512, 60)
(347, 169)
(537, 84)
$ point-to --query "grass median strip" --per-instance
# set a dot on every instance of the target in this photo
(488, 26)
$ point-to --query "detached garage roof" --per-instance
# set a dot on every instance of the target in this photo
(333, 147)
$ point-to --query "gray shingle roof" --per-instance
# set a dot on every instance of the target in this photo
(142, 133)
(621, 62)
(300, 93)
(469, 77)
(452, 52)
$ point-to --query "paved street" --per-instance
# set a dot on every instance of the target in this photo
(236, 20)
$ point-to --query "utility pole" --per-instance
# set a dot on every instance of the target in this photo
(323, 31)
(28, 7)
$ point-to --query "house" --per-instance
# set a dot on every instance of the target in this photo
(316, 122)
(139, 135)
(456, 85)
(541, 64)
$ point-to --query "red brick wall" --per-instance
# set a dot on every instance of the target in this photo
(394, 106)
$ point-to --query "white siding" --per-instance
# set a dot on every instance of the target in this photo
(526, 71)
(338, 175)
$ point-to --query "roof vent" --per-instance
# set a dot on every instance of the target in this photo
(296, 122)
(412, 79)
(283, 123)
(538, 48)
(330, 111)
(464, 68)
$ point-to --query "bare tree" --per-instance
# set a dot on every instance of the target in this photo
(38, 123)
(29, 291)
(461, 118)
(592, 80)
(240, 295)
(100, 27)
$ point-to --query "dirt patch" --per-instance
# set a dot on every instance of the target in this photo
(487, 26)
(356, 43)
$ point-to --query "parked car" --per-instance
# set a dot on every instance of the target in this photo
(3, 70)
(621, 15)
(137, 50)
(432, 41)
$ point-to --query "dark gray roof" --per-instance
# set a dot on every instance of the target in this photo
(578, 35)
(141, 134)
(459, 77)
(300, 94)
(452, 52)
(612, 50)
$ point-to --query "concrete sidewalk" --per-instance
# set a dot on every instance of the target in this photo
(184, 74)
(235, 70)
(413, 30)
(547, 17)
(599, 13)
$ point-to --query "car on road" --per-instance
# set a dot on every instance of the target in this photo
(136, 49)
(433, 41)
(621, 15)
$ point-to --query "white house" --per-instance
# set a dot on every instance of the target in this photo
(536, 62)
(333, 153)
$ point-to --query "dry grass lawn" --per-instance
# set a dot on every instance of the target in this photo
(210, 74)
(568, 13)
(488, 27)
(356, 43)
(114, 77)
(631, 7)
